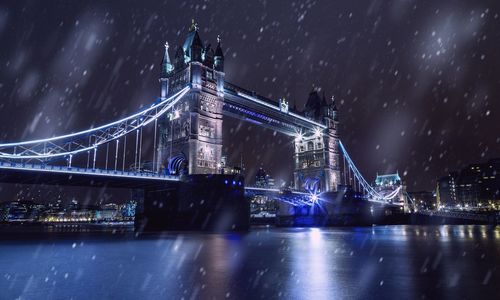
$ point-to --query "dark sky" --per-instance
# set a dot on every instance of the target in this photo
(418, 82)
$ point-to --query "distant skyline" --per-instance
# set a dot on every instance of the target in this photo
(417, 82)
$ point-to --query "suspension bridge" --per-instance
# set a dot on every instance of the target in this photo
(58, 154)
(186, 125)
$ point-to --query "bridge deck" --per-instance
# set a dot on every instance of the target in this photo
(241, 103)
(60, 175)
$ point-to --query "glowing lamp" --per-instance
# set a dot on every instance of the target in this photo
(314, 198)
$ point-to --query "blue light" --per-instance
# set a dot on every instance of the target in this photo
(314, 198)
(239, 183)
(225, 181)
(234, 182)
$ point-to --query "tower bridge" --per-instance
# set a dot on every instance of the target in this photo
(187, 119)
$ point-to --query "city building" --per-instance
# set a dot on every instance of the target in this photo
(262, 179)
(446, 191)
(107, 212)
(474, 187)
(226, 169)
(263, 205)
(424, 200)
(20, 211)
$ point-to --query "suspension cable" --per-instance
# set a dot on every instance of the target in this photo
(116, 153)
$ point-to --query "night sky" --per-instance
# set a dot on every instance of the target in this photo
(417, 82)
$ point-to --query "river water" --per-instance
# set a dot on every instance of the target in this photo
(387, 262)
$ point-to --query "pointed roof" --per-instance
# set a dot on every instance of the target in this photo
(166, 64)
(387, 179)
(314, 100)
(192, 39)
(218, 50)
(334, 104)
(313, 105)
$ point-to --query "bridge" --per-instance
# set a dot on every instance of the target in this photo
(187, 119)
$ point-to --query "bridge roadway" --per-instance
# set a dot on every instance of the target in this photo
(29, 173)
(244, 104)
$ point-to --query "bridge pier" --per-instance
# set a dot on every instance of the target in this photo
(199, 202)
(341, 208)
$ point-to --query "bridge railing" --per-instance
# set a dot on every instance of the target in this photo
(88, 140)
(83, 171)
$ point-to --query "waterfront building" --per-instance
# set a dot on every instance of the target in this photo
(107, 212)
(226, 169)
(424, 200)
(262, 179)
(447, 190)
(475, 187)
(263, 205)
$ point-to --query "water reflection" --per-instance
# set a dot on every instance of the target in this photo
(366, 262)
(313, 259)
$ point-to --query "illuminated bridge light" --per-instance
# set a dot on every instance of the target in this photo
(314, 198)
(317, 132)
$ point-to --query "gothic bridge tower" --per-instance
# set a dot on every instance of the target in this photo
(190, 135)
(317, 167)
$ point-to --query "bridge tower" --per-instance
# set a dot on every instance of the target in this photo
(317, 166)
(190, 135)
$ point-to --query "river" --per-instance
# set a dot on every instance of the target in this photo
(386, 262)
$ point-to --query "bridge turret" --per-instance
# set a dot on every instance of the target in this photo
(193, 129)
(166, 69)
(193, 46)
(166, 64)
(313, 107)
(180, 59)
(209, 56)
(219, 57)
(317, 154)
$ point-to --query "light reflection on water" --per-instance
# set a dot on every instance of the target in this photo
(300, 263)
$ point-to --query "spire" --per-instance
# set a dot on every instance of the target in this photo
(194, 26)
(334, 105)
(166, 64)
(313, 107)
(218, 50)
(180, 59)
(209, 56)
(219, 56)
(193, 46)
